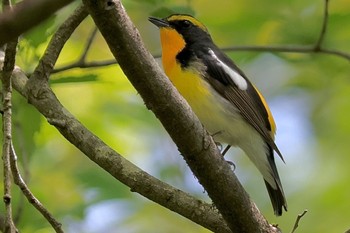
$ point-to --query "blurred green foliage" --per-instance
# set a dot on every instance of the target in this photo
(309, 95)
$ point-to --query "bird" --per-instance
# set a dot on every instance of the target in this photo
(228, 105)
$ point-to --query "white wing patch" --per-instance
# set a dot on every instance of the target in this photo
(236, 77)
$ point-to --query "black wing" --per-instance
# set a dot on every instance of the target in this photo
(247, 101)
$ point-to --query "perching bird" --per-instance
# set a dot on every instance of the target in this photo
(225, 101)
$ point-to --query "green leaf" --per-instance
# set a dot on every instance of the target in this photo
(75, 79)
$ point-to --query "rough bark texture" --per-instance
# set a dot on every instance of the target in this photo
(194, 143)
(138, 180)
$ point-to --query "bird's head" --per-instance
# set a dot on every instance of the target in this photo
(179, 30)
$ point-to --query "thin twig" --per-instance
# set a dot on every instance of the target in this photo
(7, 132)
(296, 224)
(93, 64)
(57, 226)
(25, 165)
(324, 27)
(284, 49)
(81, 62)
(63, 33)
(248, 48)
(288, 49)
(9, 63)
(88, 45)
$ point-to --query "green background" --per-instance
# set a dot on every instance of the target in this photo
(309, 95)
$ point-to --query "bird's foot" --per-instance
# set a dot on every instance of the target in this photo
(232, 164)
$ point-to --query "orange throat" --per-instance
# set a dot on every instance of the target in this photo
(172, 44)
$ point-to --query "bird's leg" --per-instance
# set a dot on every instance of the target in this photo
(223, 152)
(228, 161)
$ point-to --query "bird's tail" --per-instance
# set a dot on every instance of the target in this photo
(275, 191)
(277, 197)
(265, 162)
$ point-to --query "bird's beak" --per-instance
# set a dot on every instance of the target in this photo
(159, 22)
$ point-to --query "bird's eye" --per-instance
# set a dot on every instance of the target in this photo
(186, 23)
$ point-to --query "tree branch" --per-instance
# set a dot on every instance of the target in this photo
(92, 64)
(9, 63)
(88, 45)
(26, 15)
(296, 224)
(288, 49)
(81, 62)
(193, 141)
(53, 50)
(317, 48)
(41, 96)
(324, 27)
(7, 131)
(245, 48)
(29, 195)
(138, 180)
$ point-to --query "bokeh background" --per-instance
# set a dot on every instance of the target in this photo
(309, 95)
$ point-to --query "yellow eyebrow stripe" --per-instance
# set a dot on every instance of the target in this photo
(189, 18)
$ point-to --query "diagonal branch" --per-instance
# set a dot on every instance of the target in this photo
(115, 164)
(37, 91)
(324, 27)
(81, 62)
(29, 195)
(53, 50)
(88, 45)
(194, 143)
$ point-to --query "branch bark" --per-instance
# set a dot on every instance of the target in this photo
(7, 131)
(57, 226)
(316, 48)
(41, 96)
(193, 141)
(6, 73)
(115, 164)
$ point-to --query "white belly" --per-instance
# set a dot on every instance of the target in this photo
(224, 122)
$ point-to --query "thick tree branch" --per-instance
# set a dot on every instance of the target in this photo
(138, 180)
(41, 96)
(193, 141)
(26, 15)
